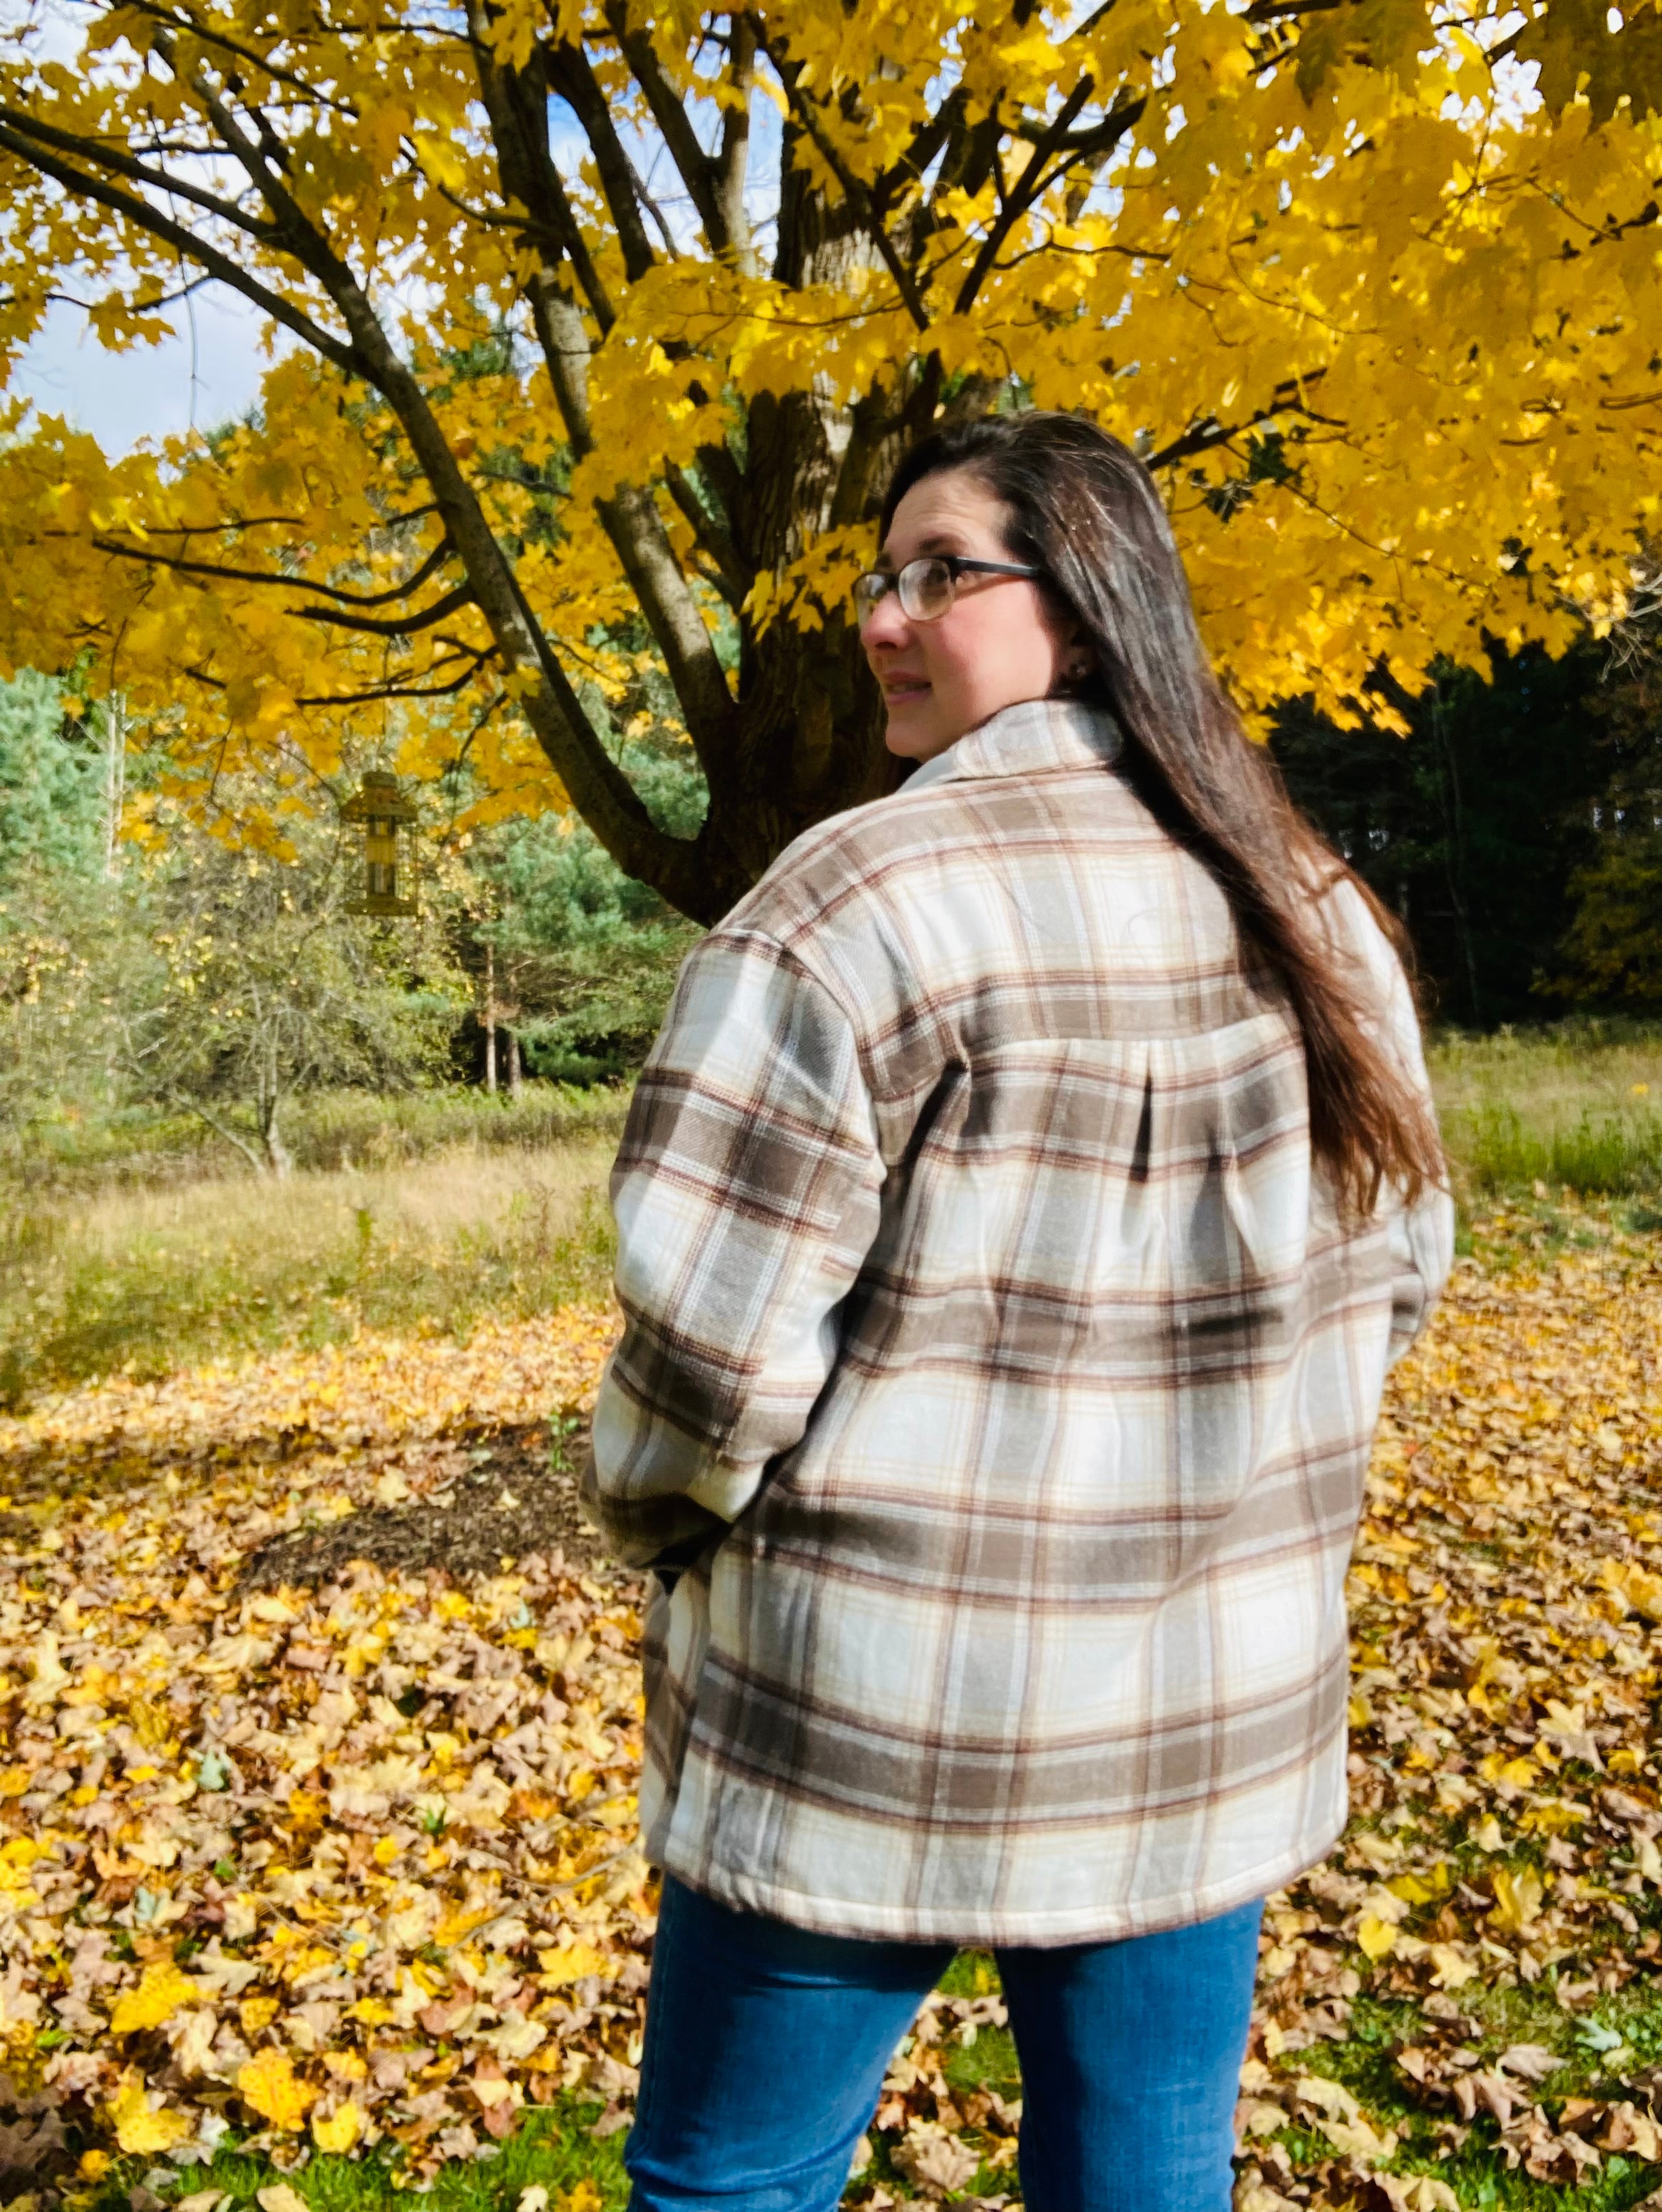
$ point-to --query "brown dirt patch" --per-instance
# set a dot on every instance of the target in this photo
(514, 1494)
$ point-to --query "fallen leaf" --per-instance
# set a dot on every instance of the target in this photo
(339, 2130)
(1517, 1898)
(141, 2126)
(1533, 2061)
(935, 2161)
(1416, 2192)
(269, 2085)
(571, 1962)
(1377, 1937)
(161, 1990)
(1359, 2139)
(1630, 2130)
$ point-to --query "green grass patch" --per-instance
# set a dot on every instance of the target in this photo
(1574, 1107)
(553, 2148)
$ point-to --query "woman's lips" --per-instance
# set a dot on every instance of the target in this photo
(899, 692)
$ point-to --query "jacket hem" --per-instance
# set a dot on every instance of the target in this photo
(987, 1931)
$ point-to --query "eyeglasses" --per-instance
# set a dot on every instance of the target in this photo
(927, 586)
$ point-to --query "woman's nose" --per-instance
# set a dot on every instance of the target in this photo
(886, 624)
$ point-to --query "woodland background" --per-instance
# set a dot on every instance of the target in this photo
(159, 972)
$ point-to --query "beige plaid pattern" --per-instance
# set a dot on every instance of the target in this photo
(997, 1370)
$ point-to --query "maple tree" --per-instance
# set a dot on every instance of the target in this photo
(1372, 284)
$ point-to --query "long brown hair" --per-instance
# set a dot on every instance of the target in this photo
(1082, 508)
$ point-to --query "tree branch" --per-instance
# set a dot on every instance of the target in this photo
(166, 21)
(1287, 399)
(475, 662)
(857, 194)
(713, 539)
(136, 172)
(730, 169)
(570, 76)
(149, 557)
(696, 168)
(220, 265)
(1029, 188)
(393, 625)
(630, 516)
(928, 141)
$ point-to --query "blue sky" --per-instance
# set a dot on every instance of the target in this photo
(149, 391)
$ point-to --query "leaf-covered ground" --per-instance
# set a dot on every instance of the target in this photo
(318, 1874)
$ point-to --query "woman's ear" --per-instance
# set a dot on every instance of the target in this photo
(1079, 659)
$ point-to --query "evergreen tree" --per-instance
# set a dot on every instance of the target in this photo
(54, 796)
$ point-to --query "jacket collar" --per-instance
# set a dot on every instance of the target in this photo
(1035, 735)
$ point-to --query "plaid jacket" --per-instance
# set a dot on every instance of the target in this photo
(996, 1371)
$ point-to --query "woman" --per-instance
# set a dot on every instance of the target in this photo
(1033, 1177)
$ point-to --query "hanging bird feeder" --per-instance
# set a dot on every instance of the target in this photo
(388, 874)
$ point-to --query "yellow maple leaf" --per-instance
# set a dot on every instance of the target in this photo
(459, 1920)
(257, 2012)
(161, 1991)
(140, 2128)
(268, 2083)
(1414, 1889)
(584, 2198)
(340, 2130)
(1633, 1583)
(1377, 1936)
(571, 1962)
(1517, 1898)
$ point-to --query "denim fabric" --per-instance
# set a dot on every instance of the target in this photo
(766, 2046)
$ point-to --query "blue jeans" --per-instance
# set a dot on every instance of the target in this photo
(766, 2047)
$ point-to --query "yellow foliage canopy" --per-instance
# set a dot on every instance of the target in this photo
(1374, 287)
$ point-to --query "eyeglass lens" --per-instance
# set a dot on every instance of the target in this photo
(924, 586)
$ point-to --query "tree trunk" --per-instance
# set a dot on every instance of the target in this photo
(279, 1158)
(810, 730)
(115, 781)
(513, 1075)
(490, 1018)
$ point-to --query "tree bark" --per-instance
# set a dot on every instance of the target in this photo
(280, 1159)
(489, 1017)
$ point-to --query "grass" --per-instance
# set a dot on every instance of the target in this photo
(553, 2148)
(1575, 1107)
(73, 1154)
(145, 1280)
(132, 1248)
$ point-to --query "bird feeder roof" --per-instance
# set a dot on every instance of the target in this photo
(378, 795)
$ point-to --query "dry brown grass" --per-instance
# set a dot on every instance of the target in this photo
(147, 1279)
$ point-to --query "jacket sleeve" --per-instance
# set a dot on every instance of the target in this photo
(1422, 1234)
(746, 1195)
